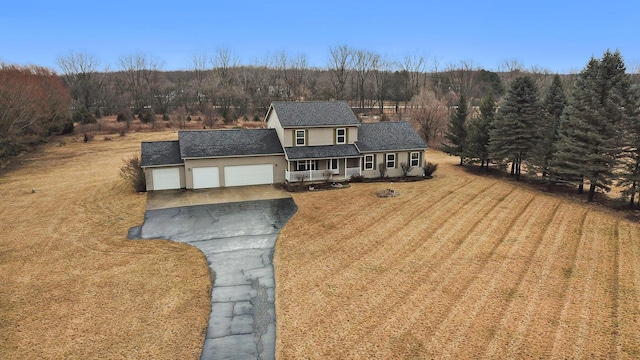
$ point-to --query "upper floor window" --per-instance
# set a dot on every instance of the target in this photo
(341, 136)
(300, 137)
(414, 160)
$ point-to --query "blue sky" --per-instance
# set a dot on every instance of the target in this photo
(557, 35)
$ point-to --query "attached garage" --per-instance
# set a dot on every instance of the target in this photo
(242, 175)
(166, 179)
(206, 177)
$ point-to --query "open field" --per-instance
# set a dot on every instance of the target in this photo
(72, 285)
(459, 266)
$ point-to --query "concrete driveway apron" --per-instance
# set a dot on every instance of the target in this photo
(238, 239)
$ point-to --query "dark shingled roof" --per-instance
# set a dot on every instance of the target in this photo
(235, 142)
(160, 153)
(321, 152)
(314, 113)
(388, 135)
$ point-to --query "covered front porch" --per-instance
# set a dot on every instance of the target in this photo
(322, 169)
(322, 163)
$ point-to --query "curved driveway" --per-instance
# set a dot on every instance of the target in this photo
(238, 239)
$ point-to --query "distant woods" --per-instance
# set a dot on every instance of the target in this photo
(580, 129)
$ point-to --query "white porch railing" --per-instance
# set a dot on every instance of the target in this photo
(307, 175)
(352, 171)
(316, 175)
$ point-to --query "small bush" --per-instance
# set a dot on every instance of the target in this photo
(429, 168)
(83, 116)
(355, 178)
(383, 170)
(124, 116)
(327, 175)
(67, 127)
(123, 132)
(133, 173)
(406, 169)
(256, 118)
(165, 117)
(107, 138)
(147, 116)
(88, 137)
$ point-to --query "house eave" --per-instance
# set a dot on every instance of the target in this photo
(161, 165)
(231, 156)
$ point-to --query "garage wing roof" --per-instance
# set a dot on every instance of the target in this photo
(233, 142)
(321, 152)
(388, 135)
(159, 153)
(314, 113)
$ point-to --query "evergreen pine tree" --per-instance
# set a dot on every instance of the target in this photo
(478, 132)
(553, 106)
(591, 140)
(456, 135)
(514, 131)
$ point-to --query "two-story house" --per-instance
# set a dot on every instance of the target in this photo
(304, 141)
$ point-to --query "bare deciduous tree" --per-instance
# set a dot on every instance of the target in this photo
(429, 116)
(364, 63)
(141, 78)
(82, 74)
(340, 64)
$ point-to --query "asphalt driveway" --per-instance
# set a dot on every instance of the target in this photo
(238, 239)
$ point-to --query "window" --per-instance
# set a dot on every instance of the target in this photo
(391, 161)
(369, 162)
(414, 159)
(300, 137)
(332, 164)
(305, 165)
(341, 136)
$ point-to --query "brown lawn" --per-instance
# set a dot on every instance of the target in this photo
(459, 266)
(72, 285)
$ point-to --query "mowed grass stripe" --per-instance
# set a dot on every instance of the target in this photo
(447, 274)
(583, 321)
(328, 298)
(389, 288)
(629, 291)
(364, 214)
(496, 286)
(538, 300)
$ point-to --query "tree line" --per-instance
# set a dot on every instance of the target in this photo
(217, 85)
(34, 104)
(588, 136)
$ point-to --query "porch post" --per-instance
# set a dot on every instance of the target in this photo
(345, 168)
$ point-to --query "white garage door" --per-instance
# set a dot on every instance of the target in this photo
(248, 175)
(165, 179)
(205, 177)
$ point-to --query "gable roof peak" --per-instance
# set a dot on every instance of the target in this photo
(314, 113)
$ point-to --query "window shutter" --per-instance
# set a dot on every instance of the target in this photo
(346, 134)
(409, 158)
(335, 136)
(306, 137)
(395, 163)
(375, 161)
(293, 135)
